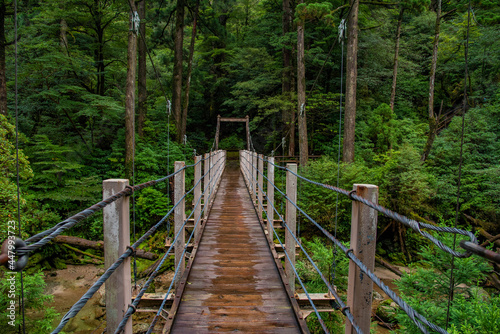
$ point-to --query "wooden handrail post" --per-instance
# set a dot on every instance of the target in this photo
(260, 177)
(197, 195)
(363, 242)
(291, 221)
(206, 181)
(116, 227)
(270, 197)
(254, 177)
(179, 212)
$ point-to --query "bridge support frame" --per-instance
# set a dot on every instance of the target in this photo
(116, 217)
(291, 222)
(363, 244)
(206, 183)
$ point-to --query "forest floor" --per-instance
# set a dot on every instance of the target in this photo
(68, 285)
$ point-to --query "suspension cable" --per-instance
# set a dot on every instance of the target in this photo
(346, 311)
(136, 301)
(415, 225)
(457, 208)
(16, 103)
(416, 317)
(95, 287)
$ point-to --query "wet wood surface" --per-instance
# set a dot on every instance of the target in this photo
(234, 285)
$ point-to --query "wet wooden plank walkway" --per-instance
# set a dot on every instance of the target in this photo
(234, 285)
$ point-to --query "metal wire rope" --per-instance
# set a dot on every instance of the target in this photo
(297, 275)
(132, 307)
(346, 311)
(415, 225)
(155, 319)
(83, 300)
(414, 315)
(45, 237)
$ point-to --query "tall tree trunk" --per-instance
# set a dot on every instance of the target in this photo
(432, 117)
(287, 78)
(3, 79)
(142, 71)
(396, 58)
(177, 80)
(190, 68)
(130, 96)
(351, 77)
(301, 95)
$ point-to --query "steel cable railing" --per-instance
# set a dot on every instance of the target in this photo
(417, 318)
(344, 308)
(131, 309)
(95, 287)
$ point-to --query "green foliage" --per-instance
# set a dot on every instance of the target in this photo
(426, 289)
(480, 171)
(40, 317)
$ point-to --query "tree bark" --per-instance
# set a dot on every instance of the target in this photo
(130, 97)
(3, 79)
(301, 95)
(351, 77)
(99, 245)
(177, 79)
(189, 69)
(396, 58)
(432, 117)
(142, 71)
(286, 87)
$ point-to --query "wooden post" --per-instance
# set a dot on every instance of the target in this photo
(217, 133)
(116, 239)
(248, 132)
(206, 181)
(260, 208)
(270, 197)
(363, 241)
(254, 177)
(197, 195)
(291, 221)
(179, 213)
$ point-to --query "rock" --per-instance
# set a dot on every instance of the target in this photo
(377, 296)
(387, 311)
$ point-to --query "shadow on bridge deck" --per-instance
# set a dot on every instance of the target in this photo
(234, 285)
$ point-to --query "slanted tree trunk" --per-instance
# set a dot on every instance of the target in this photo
(142, 71)
(396, 58)
(130, 96)
(351, 77)
(433, 122)
(190, 68)
(3, 44)
(301, 95)
(177, 79)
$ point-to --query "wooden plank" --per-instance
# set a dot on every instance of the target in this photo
(232, 119)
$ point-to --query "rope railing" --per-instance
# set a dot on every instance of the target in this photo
(413, 224)
(417, 318)
(131, 309)
(75, 309)
(343, 307)
(322, 323)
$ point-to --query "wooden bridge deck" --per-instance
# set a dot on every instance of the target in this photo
(234, 285)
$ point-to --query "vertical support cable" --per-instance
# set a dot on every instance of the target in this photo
(457, 208)
(16, 93)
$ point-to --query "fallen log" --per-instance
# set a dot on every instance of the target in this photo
(388, 266)
(99, 245)
(480, 229)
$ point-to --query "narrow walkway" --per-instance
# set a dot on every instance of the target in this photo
(234, 285)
